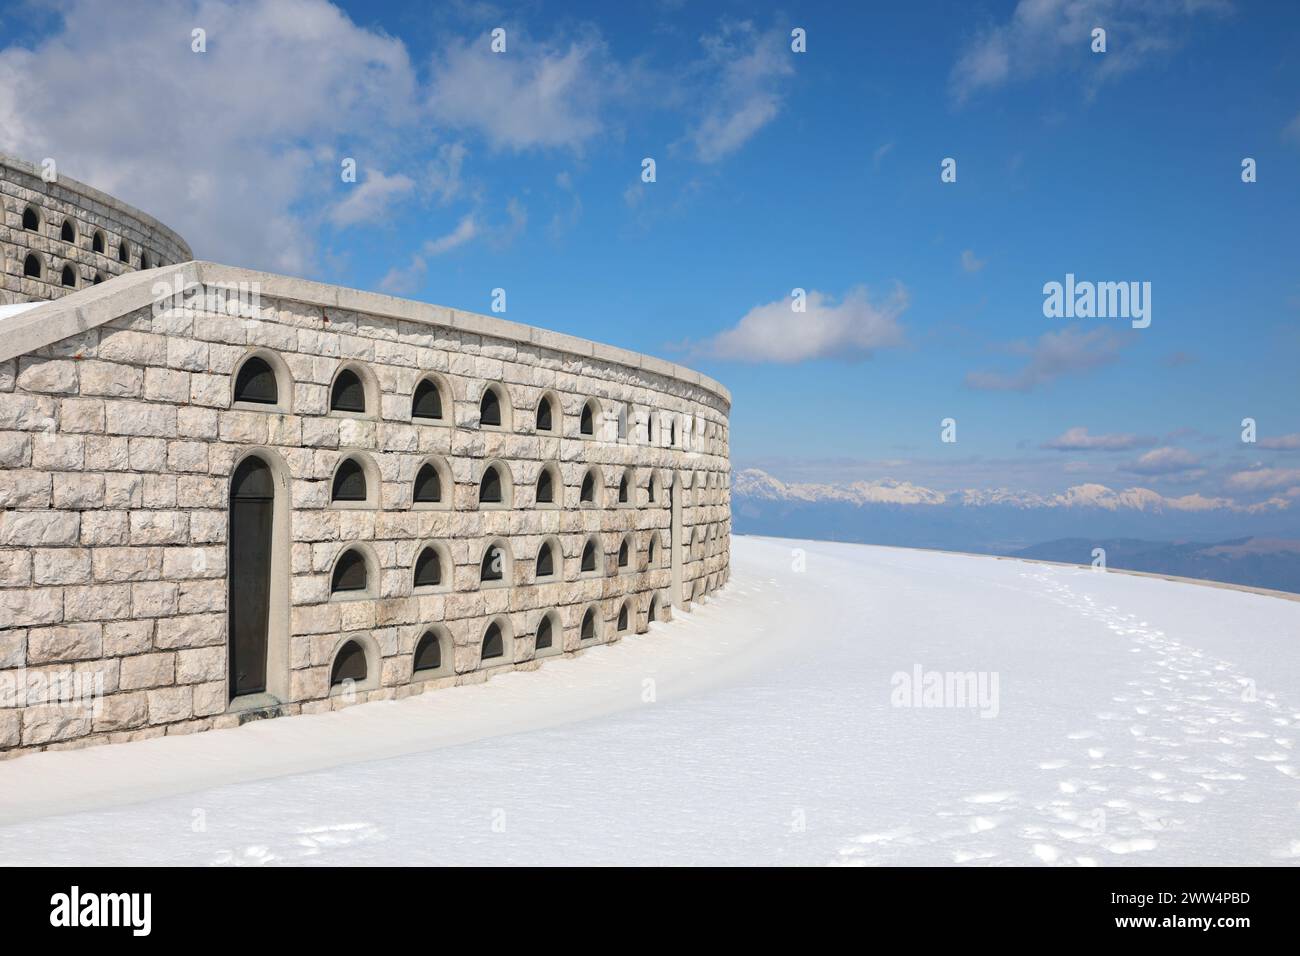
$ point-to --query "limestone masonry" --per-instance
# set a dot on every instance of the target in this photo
(230, 495)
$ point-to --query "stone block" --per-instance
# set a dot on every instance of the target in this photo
(110, 380)
(170, 704)
(31, 529)
(97, 602)
(122, 638)
(77, 492)
(148, 670)
(139, 418)
(70, 642)
(61, 566)
(55, 376)
(121, 712)
(25, 489)
(160, 527)
(46, 724)
(194, 630)
(200, 664)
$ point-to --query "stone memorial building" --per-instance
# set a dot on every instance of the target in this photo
(229, 495)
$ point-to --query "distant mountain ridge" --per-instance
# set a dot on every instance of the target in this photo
(757, 484)
(1141, 529)
(1255, 562)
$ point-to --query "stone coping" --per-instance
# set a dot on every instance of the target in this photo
(90, 307)
(76, 186)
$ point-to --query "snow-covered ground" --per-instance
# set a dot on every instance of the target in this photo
(1138, 721)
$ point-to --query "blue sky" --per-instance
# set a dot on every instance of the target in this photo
(775, 170)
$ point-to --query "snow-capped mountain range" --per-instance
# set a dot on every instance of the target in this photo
(758, 485)
(995, 520)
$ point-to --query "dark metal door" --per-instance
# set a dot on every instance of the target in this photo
(252, 506)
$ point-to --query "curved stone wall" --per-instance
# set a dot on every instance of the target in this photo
(75, 234)
(120, 432)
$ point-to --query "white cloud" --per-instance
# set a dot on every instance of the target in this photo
(1264, 479)
(443, 178)
(742, 95)
(535, 95)
(1289, 442)
(1292, 129)
(405, 280)
(850, 329)
(1053, 356)
(465, 230)
(1163, 461)
(368, 201)
(219, 153)
(969, 263)
(1046, 35)
(1078, 439)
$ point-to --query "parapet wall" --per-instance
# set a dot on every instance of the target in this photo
(120, 433)
(71, 235)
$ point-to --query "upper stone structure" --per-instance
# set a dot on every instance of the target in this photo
(61, 235)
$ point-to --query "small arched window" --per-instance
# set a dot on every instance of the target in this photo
(545, 560)
(653, 609)
(587, 493)
(123, 252)
(587, 423)
(622, 422)
(69, 277)
(623, 554)
(544, 414)
(493, 642)
(348, 393)
(493, 565)
(68, 232)
(589, 556)
(428, 653)
(622, 618)
(622, 490)
(650, 426)
(256, 382)
(144, 259)
(349, 664)
(588, 631)
(545, 634)
(98, 242)
(489, 488)
(349, 481)
(650, 489)
(428, 400)
(349, 573)
(489, 408)
(31, 219)
(32, 266)
(428, 485)
(650, 551)
(545, 487)
(428, 569)
(98, 279)
(672, 432)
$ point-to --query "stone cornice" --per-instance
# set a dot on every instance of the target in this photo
(91, 307)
